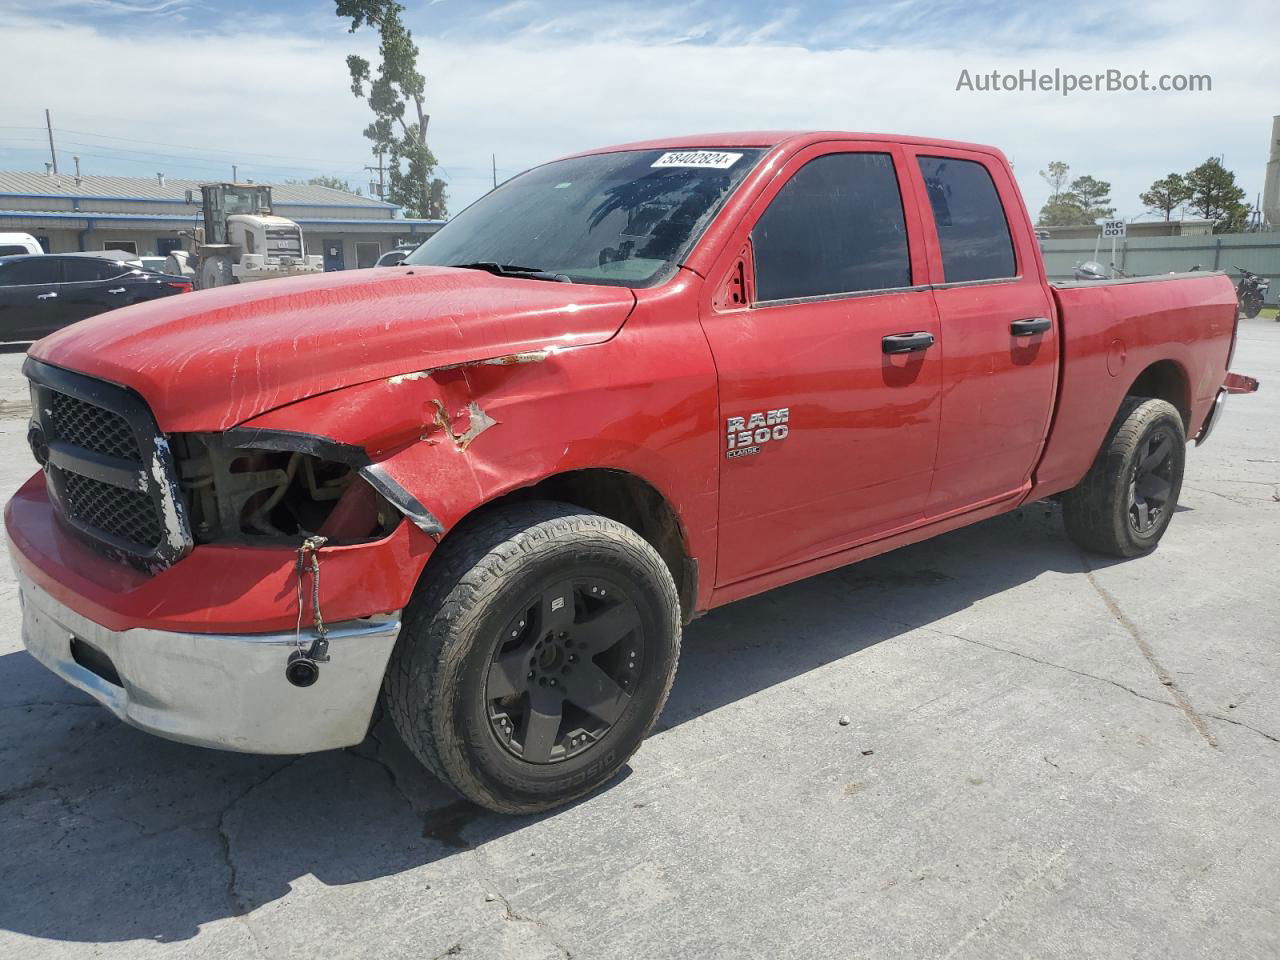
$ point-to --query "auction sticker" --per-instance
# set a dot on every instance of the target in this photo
(710, 159)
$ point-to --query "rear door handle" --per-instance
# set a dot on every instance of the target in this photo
(906, 342)
(45, 296)
(116, 290)
(1025, 328)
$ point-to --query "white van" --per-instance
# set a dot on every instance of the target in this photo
(11, 243)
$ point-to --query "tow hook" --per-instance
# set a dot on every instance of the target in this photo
(303, 666)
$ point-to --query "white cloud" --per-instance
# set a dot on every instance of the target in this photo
(542, 92)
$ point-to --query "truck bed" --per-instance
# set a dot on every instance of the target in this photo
(1120, 335)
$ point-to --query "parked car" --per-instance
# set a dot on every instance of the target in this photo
(488, 488)
(12, 244)
(41, 294)
(120, 256)
(395, 257)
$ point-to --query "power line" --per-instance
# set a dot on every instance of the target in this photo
(158, 143)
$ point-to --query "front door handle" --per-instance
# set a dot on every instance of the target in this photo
(45, 296)
(1025, 328)
(906, 342)
(116, 290)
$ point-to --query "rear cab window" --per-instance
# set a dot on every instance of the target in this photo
(836, 227)
(973, 231)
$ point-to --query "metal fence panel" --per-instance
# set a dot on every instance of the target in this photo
(1258, 252)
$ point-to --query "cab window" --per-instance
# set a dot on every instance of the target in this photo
(972, 230)
(836, 227)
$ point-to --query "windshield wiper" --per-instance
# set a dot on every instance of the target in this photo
(513, 270)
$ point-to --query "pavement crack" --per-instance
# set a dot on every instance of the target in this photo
(240, 907)
(1240, 723)
(1163, 675)
(8, 796)
(1027, 656)
(1009, 898)
(1233, 498)
(50, 703)
(514, 916)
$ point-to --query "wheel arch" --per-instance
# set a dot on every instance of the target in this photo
(1165, 380)
(622, 496)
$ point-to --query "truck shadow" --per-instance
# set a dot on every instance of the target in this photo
(108, 834)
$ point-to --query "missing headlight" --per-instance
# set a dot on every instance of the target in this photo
(253, 493)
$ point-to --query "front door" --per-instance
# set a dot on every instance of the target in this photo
(30, 303)
(999, 372)
(333, 259)
(829, 361)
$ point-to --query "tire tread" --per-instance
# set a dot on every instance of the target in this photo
(1090, 509)
(466, 572)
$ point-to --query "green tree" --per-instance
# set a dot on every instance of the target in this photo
(333, 183)
(1093, 197)
(1065, 211)
(1056, 177)
(1166, 195)
(396, 87)
(1214, 195)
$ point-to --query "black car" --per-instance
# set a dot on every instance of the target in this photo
(41, 293)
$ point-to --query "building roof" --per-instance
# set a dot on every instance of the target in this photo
(173, 190)
(384, 221)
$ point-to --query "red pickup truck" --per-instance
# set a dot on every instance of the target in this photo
(488, 486)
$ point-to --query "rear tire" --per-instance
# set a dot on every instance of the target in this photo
(526, 617)
(1251, 305)
(1124, 504)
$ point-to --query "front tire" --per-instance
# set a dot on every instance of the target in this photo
(1125, 502)
(1251, 304)
(536, 654)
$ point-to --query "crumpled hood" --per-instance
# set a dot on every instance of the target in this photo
(210, 360)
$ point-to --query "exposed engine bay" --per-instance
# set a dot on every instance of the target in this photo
(283, 496)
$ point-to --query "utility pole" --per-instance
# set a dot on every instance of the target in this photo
(382, 188)
(53, 155)
(495, 170)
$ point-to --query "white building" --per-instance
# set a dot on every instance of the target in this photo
(143, 215)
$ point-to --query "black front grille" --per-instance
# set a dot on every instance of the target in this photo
(109, 469)
(94, 428)
(124, 514)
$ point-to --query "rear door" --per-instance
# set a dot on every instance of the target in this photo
(999, 374)
(92, 286)
(828, 361)
(29, 297)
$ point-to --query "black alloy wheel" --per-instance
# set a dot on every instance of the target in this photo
(535, 655)
(564, 670)
(1152, 482)
(1124, 503)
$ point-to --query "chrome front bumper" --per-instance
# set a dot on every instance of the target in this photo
(215, 690)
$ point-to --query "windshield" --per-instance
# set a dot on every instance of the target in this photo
(624, 219)
(246, 200)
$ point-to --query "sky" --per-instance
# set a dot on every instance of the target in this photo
(188, 87)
